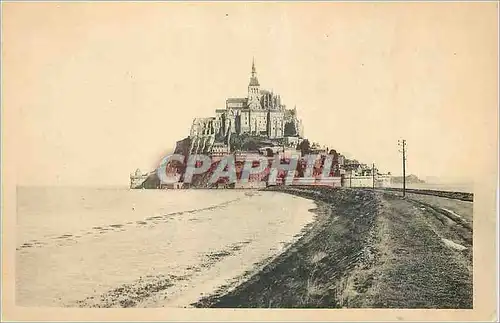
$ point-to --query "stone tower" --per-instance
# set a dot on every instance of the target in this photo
(254, 89)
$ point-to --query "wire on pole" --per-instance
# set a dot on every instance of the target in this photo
(373, 176)
(402, 144)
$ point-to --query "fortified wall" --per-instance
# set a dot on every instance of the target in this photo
(367, 181)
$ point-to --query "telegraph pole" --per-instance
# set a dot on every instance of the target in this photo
(402, 144)
(373, 175)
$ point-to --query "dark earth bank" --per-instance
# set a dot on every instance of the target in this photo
(366, 249)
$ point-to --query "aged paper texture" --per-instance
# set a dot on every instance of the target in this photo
(321, 161)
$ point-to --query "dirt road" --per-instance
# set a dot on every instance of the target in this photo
(367, 249)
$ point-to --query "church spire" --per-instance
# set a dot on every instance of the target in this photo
(253, 80)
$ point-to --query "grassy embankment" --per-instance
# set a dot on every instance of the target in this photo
(366, 249)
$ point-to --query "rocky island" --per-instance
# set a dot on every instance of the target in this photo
(259, 125)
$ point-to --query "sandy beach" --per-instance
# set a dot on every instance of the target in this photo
(120, 248)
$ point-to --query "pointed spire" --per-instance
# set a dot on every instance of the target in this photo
(253, 80)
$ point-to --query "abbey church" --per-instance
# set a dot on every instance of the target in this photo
(261, 113)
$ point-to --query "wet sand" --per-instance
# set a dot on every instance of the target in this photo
(169, 256)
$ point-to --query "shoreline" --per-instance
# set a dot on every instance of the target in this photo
(362, 252)
(168, 252)
(451, 193)
(360, 248)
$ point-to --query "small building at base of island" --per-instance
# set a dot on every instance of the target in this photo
(137, 178)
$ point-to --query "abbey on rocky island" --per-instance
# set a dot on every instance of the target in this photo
(261, 113)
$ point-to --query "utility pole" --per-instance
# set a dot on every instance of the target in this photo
(373, 175)
(402, 144)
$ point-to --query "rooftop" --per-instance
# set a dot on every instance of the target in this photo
(236, 100)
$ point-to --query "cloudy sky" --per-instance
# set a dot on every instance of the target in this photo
(94, 90)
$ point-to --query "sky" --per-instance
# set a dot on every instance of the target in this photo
(92, 91)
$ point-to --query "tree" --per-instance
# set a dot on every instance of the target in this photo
(236, 142)
(290, 130)
(335, 156)
(250, 145)
(304, 147)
